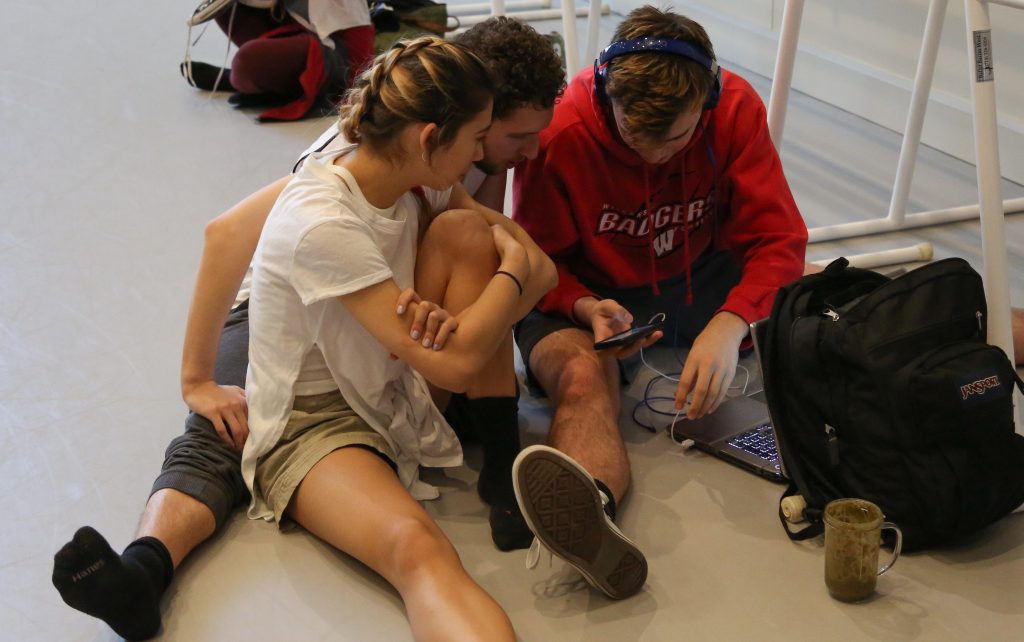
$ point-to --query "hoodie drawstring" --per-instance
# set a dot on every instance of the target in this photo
(650, 233)
(686, 232)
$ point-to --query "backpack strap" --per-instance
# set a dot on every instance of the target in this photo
(815, 526)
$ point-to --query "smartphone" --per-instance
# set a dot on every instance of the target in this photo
(632, 335)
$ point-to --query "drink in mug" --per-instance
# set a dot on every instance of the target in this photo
(853, 530)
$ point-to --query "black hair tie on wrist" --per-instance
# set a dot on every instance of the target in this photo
(514, 279)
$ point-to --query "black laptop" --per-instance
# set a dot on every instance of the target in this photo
(740, 431)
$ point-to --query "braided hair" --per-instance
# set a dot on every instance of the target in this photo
(426, 80)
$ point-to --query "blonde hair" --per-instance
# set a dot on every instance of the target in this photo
(654, 88)
(427, 80)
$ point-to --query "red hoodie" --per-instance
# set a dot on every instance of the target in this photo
(584, 201)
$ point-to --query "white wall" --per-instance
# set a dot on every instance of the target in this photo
(861, 55)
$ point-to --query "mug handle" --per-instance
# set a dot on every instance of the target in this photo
(895, 549)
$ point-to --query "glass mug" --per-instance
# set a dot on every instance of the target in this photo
(853, 532)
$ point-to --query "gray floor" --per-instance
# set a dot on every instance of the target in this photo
(111, 166)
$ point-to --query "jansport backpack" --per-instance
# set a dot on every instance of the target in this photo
(884, 389)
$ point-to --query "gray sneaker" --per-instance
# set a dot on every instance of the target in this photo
(563, 507)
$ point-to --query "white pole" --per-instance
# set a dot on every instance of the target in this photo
(593, 31)
(912, 254)
(783, 77)
(910, 221)
(485, 7)
(572, 51)
(527, 16)
(986, 151)
(915, 115)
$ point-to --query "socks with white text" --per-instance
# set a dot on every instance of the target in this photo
(124, 591)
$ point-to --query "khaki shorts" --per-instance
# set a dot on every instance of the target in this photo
(318, 425)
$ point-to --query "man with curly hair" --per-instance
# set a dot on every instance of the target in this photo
(200, 485)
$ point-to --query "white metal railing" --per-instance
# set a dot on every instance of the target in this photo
(991, 207)
(531, 10)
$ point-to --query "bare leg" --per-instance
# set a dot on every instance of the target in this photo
(353, 500)
(179, 521)
(584, 389)
(456, 261)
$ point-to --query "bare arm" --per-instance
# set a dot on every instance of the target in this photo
(543, 275)
(482, 327)
(230, 241)
(491, 192)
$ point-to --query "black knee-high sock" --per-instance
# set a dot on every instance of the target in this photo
(124, 591)
(496, 420)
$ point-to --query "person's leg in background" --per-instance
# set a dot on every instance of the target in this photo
(270, 66)
(241, 24)
(198, 488)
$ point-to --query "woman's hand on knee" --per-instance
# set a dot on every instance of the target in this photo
(512, 253)
(431, 324)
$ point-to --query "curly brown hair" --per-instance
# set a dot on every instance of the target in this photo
(526, 68)
(654, 88)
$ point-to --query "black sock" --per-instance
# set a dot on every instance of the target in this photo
(609, 507)
(496, 422)
(124, 591)
(244, 101)
(204, 75)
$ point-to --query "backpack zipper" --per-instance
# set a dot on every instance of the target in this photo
(833, 445)
(831, 313)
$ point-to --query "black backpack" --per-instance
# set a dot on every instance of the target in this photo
(884, 389)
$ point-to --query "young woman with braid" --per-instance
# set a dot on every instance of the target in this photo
(340, 414)
(200, 485)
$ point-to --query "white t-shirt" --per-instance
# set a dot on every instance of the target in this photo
(323, 240)
(472, 181)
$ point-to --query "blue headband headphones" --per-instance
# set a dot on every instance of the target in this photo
(665, 45)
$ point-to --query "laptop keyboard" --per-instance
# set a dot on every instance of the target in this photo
(759, 442)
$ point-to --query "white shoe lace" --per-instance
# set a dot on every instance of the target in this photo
(533, 555)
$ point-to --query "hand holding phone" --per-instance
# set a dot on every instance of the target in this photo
(633, 334)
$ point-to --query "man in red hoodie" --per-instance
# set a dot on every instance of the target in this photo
(656, 190)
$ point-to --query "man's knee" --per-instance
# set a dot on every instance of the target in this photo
(571, 371)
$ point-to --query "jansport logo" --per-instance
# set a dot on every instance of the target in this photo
(979, 387)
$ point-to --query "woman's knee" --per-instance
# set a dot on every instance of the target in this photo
(462, 235)
(417, 545)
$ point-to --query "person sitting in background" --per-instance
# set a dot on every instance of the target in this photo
(297, 56)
